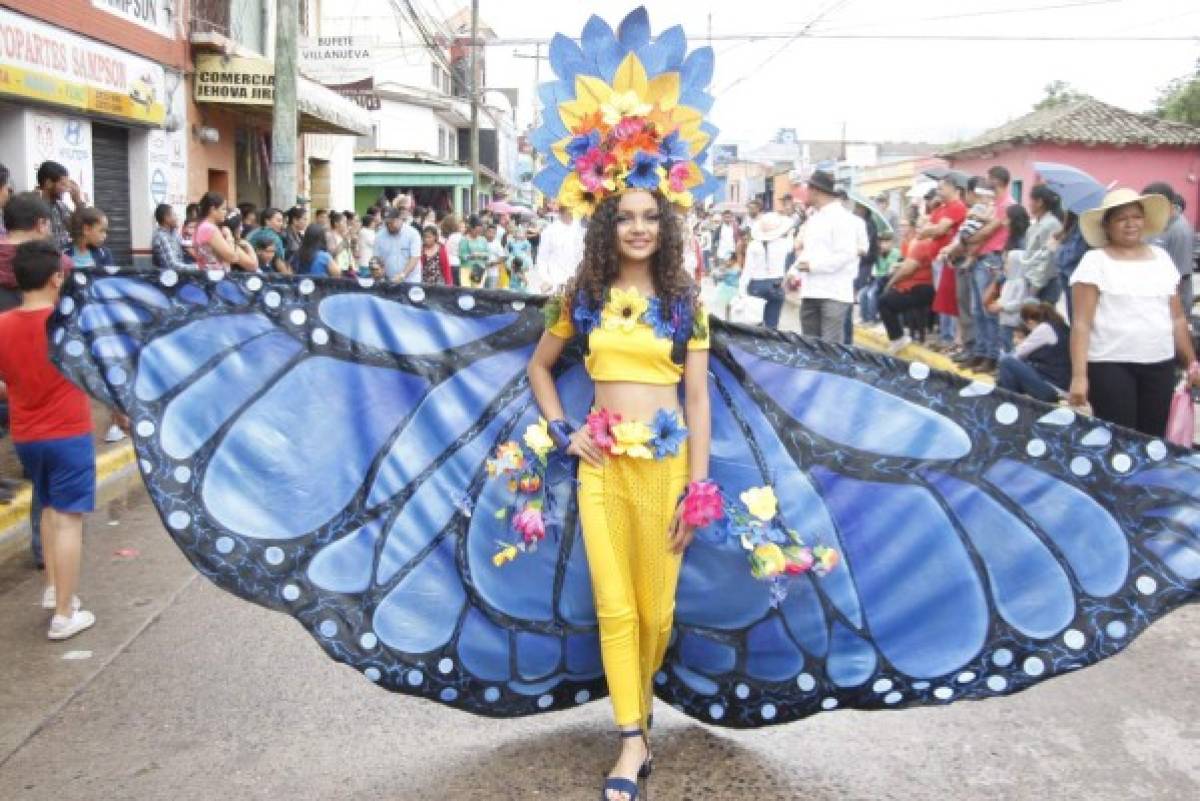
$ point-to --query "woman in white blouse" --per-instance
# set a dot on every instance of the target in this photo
(1129, 330)
(766, 261)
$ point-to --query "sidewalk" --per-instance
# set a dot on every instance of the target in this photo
(112, 461)
(869, 337)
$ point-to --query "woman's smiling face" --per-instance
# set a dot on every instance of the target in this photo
(638, 220)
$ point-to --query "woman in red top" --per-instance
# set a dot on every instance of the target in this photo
(910, 289)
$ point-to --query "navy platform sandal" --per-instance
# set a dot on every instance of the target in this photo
(620, 784)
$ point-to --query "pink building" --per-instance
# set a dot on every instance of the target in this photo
(1109, 143)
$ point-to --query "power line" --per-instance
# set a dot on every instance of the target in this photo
(875, 37)
(820, 15)
(992, 12)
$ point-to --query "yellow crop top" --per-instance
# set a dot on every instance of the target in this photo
(625, 345)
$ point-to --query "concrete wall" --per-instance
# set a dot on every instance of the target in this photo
(339, 152)
(1132, 167)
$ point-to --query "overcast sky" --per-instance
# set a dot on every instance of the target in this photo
(887, 90)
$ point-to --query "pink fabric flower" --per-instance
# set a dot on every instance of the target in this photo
(678, 176)
(702, 505)
(628, 128)
(529, 524)
(593, 167)
(599, 424)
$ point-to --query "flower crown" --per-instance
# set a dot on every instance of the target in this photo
(625, 113)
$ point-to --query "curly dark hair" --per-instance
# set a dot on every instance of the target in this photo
(601, 261)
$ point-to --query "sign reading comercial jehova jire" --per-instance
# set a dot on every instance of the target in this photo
(232, 79)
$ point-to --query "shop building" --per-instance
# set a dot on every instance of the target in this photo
(230, 100)
(97, 86)
(1109, 143)
(409, 71)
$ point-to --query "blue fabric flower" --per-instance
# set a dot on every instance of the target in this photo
(663, 328)
(582, 144)
(668, 433)
(673, 148)
(584, 314)
(644, 173)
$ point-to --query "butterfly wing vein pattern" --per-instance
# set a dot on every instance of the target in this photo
(318, 447)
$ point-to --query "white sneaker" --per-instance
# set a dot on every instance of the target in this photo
(114, 434)
(62, 628)
(50, 599)
(897, 345)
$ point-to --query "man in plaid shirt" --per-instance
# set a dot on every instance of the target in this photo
(53, 183)
(166, 245)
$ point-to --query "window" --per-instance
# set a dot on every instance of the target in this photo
(437, 75)
(441, 142)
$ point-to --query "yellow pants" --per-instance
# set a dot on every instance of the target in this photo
(625, 509)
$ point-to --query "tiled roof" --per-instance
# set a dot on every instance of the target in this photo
(1088, 122)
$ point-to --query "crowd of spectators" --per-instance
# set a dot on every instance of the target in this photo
(989, 282)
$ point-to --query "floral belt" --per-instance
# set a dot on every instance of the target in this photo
(662, 437)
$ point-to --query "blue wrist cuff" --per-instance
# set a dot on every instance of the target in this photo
(560, 431)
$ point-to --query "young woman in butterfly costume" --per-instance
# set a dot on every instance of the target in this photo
(887, 536)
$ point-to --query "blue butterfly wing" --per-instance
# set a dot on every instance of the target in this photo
(989, 542)
(318, 448)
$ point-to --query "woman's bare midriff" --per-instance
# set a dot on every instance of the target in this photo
(634, 401)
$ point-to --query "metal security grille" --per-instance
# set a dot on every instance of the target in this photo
(110, 159)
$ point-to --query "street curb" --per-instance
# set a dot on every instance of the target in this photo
(875, 340)
(14, 531)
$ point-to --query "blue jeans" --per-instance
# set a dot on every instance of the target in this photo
(987, 326)
(947, 327)
(35, 529)
(1051, 292)
(868, 302)
(1006, 338)
(1018, 376)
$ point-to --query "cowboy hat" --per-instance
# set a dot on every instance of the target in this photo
(769, 227)
(823, 181)
(1156, 207)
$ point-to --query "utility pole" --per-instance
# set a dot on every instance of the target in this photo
(474, 86)
(284, 115)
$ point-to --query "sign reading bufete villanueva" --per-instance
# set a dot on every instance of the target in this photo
(343, 63)
(231, 79)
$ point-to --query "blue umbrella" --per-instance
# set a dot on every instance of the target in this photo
(881, 223)
(1078, 190)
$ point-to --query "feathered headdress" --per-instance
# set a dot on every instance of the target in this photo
(625, 112)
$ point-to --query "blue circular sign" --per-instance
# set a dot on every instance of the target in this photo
(158, 186)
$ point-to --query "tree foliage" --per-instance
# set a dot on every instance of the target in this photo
(1058, 93)
(1179, 100)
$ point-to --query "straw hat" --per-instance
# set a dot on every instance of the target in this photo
(1157, 208)
(770, 226)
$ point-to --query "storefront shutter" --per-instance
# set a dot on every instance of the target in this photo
(110, 157)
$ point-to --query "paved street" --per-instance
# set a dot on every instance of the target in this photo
(185, 692)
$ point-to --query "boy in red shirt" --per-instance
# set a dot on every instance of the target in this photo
(51, 425)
